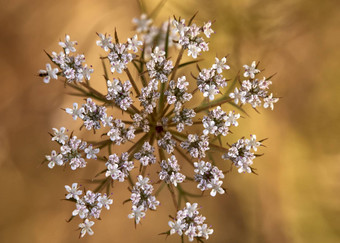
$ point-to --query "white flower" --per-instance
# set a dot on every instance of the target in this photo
(86, 227)
(104, 42)
(73, 191)
(104, 201)
(180, 26)
(231, 119)
(252, 143)
(244, 165)
(191, 209)
(80, 210)
(220, 64)
(114, 172)
(191, 232)
(211, 91)
(86, 72)
(238, 96)
(54, 158)
(207, 29)
(142, 24)
(194, 50)
(91, 153)
(59, 136)
(68, 45)
(250, 71)
(270, 101)
(215, 187)
(137, 213)
(204, 231)
(133, 43)
(158, 54)
(75, 112)
(176, 227)
(49, 73)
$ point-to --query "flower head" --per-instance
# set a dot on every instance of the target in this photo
(144, 112)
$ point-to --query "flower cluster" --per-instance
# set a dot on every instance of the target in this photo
(190, 36)
(141, 121)
(218, 122)
(196, 145)
(71, 151)
(159, 67)
(119, 55)
(210, 80)
(149, 96)
(254, 91)
(150, 114)
(153, 35)
(120, 93)
(146, 154)
(177, 92)
(240, 153)
(141, 199)
(208, 177)
(183, 117)
(119, 134)
(190, 223)
(92, 114)
(167, 143)
(72, 67)
(119, 168)
(170, 171)
(88, 206)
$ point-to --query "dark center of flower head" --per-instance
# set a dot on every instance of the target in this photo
(159, 129)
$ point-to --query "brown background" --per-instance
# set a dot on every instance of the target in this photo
(294, 199)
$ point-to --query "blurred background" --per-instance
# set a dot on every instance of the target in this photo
(295, 198)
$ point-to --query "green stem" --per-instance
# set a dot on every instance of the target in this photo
(132, 81)
(177, 64)
(209, 105)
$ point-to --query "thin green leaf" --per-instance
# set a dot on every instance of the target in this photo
(167, 40)
(192, 18)
(188, 63)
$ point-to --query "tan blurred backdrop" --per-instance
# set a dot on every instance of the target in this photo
(296, 196)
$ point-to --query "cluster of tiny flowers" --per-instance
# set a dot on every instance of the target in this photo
(140, 112)
(141, 199)
(190, 223)
(176, 93)
(167, 143)
(183, 117)
(87, 207)
(189, 36)
(208, 177)
(146, 155)
(218, 122)
(72, 67)
(170, 171)
(120, 93)
(119, 134)
(71, 151)
(196, 145)
(210, 80)
(92, 114)
(159, 67)
(141, 121)
(254, 91)
(240, 153)
(119, 168)
(119, 55)
(154, 35)
(149, 96)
